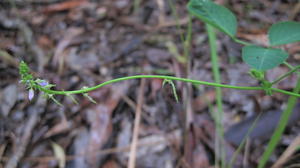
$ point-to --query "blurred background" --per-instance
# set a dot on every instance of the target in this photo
(76, 43)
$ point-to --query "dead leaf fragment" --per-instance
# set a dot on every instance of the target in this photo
(59, 154)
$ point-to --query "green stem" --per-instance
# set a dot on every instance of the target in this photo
(286, 74)
(288, 65)
(216, 74)
(280, 128)
(195, 82)
(241, 41)
(232, 160)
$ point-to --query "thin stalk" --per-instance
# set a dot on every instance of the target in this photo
(280, 128)
(241, 41)
(288, 65)
(217, 78)
(286, 74)
(195, 82)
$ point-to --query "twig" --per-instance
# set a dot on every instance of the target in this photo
(287, 153)
(165, 24)
(132, 157)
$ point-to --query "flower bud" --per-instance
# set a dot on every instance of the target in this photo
(30, 94)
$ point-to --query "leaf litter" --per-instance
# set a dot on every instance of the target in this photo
(82, 43)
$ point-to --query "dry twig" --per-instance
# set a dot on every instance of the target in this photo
(287, 153)
(132, 157)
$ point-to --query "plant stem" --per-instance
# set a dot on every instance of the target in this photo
(286, 74)
(280, 128)
(216, 74)
(288, 65)
(241, 41)
(195, 82)
(230, 165)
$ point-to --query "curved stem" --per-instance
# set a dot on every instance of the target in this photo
(241, 41)
(286, 75)
(285, 92)
(197, 82)
(288, 65)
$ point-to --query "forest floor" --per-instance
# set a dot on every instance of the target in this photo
(77, 43)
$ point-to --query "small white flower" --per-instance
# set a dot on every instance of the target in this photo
(30, 94)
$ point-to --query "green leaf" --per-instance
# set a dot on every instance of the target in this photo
(215, 15)
(263, 58)
(284, 33)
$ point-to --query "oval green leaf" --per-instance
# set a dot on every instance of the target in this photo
(284, 33)
(263, 58)
(215, 15)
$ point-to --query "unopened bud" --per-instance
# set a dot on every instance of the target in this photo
(30, 94)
